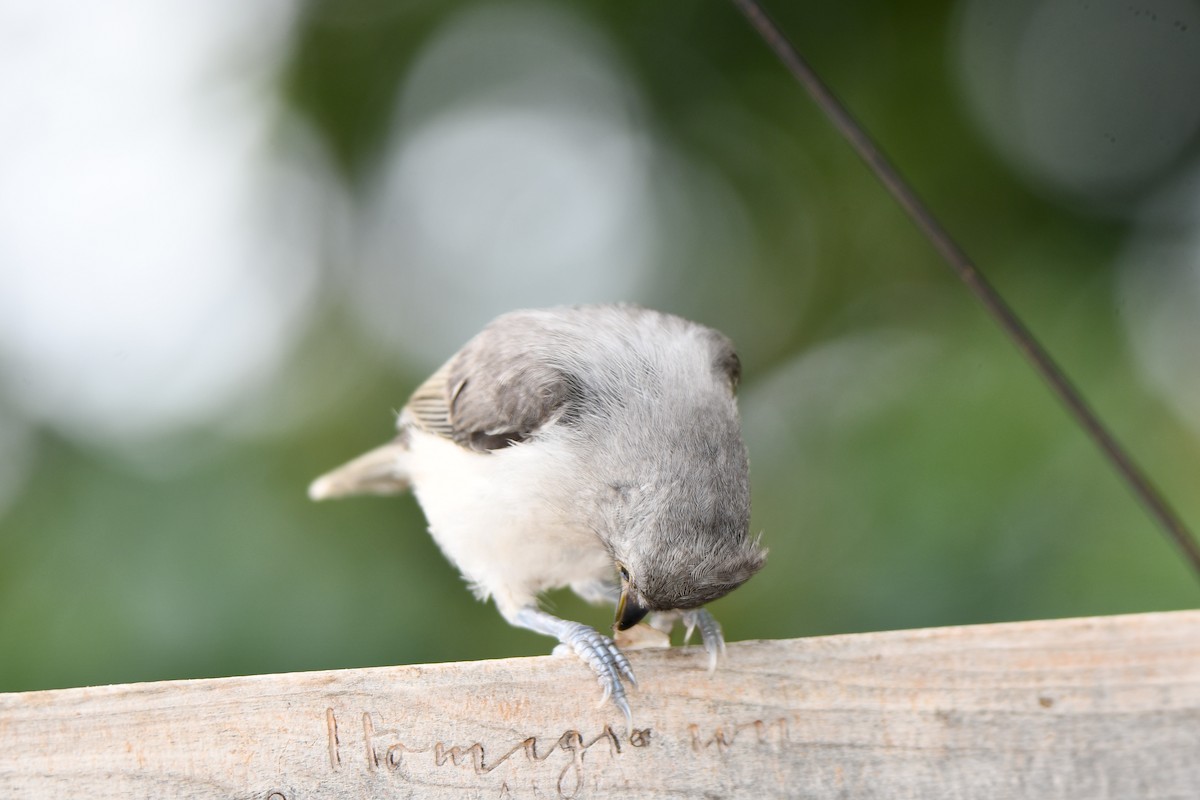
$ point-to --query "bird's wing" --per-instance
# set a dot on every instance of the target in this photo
(500, 389)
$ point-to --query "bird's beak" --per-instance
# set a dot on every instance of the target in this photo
(374, 472)
(630, 611)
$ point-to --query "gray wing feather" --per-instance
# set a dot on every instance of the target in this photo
(498, 390)
(429, 406)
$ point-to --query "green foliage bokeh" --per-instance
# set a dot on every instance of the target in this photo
(909, 469)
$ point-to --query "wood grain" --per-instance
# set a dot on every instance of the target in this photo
(1080, 708)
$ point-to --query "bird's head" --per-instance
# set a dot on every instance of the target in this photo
(689, 541)
(681, 578)
(677, 516)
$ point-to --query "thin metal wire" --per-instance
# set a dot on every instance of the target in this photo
(958, 260)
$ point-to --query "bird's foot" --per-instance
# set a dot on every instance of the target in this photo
(710, 634)
(710, 630)
(595, 649)
(610, 665)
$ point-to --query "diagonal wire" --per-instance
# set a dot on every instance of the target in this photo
(958, 260)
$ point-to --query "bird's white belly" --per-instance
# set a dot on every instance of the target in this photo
(504, 518)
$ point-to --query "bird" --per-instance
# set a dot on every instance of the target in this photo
(595, 447)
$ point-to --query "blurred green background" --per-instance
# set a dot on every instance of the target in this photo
(234, 237)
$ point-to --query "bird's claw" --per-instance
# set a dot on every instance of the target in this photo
(608, 663)
(710, 634)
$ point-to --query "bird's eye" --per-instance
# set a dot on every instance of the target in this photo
(624, 572)
(729, 365)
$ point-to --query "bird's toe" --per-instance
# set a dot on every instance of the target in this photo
(607, 662)
(710, 634)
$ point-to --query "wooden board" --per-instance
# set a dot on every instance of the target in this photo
(1080, 708)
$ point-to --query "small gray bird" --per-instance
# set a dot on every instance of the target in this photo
(596, 447)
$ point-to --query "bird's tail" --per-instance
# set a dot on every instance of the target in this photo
(378, 471)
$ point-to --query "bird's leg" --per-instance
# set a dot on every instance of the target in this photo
(663, 621)
(598, 592)
(597, 651)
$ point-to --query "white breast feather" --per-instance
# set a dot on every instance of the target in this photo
(503, 518)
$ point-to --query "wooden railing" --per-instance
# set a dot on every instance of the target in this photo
(1078, 708)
